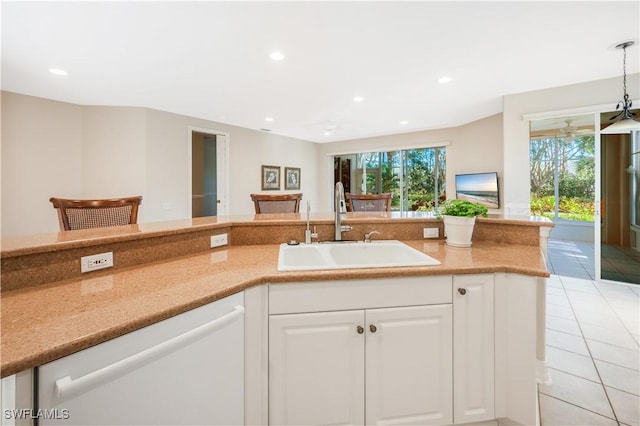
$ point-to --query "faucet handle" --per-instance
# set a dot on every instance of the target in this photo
(367, 236)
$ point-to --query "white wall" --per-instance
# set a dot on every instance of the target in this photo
(44, 144)
(52, 148)
(41, 158)
(473, 147)
(113, 152)
(168, 176)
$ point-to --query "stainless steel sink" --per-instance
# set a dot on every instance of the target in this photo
(377, 254)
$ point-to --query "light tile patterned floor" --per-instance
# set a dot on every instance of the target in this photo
(576, 259)
(593, 352)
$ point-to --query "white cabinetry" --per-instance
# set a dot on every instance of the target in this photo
(316, 369)
(188, 369)
(408, 365)
(473, 330)
(361, 366)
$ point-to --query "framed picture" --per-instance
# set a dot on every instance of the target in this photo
(270, 177)
(291, 178)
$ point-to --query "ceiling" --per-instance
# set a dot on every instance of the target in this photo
(211, 59)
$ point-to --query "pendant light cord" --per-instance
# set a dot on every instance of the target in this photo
(627, 104)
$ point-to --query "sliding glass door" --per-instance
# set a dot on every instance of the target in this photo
(415, 177)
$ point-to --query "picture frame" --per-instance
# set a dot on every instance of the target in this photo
(270, 178)
(292, 178)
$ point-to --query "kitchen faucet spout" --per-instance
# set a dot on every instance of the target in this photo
(341, 208)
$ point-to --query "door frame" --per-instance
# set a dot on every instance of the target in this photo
(596, 110)
(222, 167)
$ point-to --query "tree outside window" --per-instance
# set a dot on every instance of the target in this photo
(414, 177)
(562, 173)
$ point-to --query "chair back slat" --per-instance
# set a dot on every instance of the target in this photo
(368, 202)
(85, 214)
(276, 203)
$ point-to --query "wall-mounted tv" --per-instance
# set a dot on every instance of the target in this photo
(481, 188)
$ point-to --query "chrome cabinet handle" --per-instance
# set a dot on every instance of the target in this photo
(360, 329)
(373, 328)
(462, 291)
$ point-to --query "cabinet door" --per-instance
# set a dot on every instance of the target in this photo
(316, 368)
(473, 365)
(409, 365)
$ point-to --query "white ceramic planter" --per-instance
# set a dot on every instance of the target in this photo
(458, 230)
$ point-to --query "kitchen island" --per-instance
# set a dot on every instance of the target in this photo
(176, 272)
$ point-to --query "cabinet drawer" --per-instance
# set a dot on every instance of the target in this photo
(359, 294)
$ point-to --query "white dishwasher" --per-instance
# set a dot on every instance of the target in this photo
(185, 370)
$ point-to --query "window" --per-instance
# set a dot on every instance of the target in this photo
(562, 170)
(414, 177)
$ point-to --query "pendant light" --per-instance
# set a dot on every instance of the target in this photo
(626, 122)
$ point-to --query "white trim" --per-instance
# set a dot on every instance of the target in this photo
(597, 235)
(591, 109)
(222, 164)
(542, 373)
(392, 148)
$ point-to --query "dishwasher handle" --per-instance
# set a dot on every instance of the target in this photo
(67, 387)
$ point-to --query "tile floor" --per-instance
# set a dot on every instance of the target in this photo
(571, 259)
(593, 351)
(576, 259)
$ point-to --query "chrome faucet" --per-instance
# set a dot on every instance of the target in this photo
(308, 235)
(367, 236)
(341, 209)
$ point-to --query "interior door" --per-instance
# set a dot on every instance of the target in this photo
(208, 173)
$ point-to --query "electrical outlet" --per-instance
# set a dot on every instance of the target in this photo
(430, 233)
(96, 261)
(219, 240)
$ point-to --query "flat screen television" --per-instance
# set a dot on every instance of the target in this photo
(481, 188)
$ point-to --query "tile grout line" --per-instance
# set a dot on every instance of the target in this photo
(590, 354)
(577, 406)
(615, 311)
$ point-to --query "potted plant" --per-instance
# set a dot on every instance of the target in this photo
(459, 217)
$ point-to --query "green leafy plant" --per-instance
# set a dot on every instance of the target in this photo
(455, 207)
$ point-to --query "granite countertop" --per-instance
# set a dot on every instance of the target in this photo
(29, 244)
(47, 322)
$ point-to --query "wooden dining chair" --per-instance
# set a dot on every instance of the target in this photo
(85, 214)
(276, 203)
(368, 202)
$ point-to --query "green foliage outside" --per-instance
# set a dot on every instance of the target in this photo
(424, 171)
(568, 208)
(576, 177)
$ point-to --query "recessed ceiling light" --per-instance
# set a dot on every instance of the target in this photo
(276, 56)
(57, 71)
(268, 119)
(444, 79)
(328, 133)
(358, 99)
(404, 122)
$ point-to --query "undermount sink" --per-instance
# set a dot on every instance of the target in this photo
(346, 255)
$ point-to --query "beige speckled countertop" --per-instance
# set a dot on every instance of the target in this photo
(49, 321)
